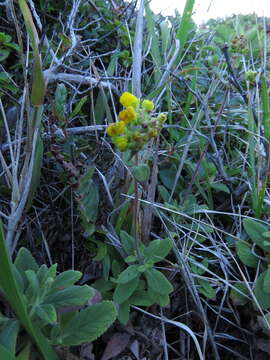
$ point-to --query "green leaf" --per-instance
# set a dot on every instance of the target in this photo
(220, 187)
(44, 273)
(5, 354)
(157, 282)
(266, 281)
(245, 255)
(238, 293)
(116, 268)
(196, 269)
(182, 31)
(167, 177)
(164, 193)
(8, 336)
(78, 107)
(47, 313)
(103, 285)
(140, 172)
(123, 312)
(88, 196)
(127, 242)
(128, 274)
(17, 302)
(4, 54)
(25, 261)
(206, 289)
(141, 298)
(33, 290)
(60, 99)
(124, 291)
(102, 250)
(158, 249)
(255, 230)
(157, 298)
(263, 297)
(25, 353)
(66, 279)
(73, 295)
(36, 173)
(87, 325)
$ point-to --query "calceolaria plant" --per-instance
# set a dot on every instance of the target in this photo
(136, 126)
(136, 281)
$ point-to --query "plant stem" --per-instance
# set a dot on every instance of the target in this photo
(136, 216)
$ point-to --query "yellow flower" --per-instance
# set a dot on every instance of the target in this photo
(121, 143)
(162, 118)
(112, 130)
(127, 115)
(127, 99)
(121, 127)
(152, 133)
(148, 105)
(116, 128)
(136, 136)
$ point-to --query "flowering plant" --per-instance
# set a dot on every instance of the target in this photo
(136, 126)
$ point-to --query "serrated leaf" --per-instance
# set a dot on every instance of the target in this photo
(87, 325)
(47, 313)
(124, 291)
(141, 298)
(255, 230)
(127, 242)
(103, 285)
(263, 297)
(157, 298)
(33, 289)
(123, 312)
(128, 274)
(25, 261)
(66, 279)
(245, 255)
(140, 172)
(73, 295)
(44, 273)
(158, 249)
(158, 282)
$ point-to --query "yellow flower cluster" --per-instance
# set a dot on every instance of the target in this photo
(135, 126)
(127, 99)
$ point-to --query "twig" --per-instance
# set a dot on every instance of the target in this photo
(137, 53)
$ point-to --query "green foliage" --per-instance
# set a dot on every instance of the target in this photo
(259, 237)
(140, 283)
(6, 46)
(187, 190)
(44, 295)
